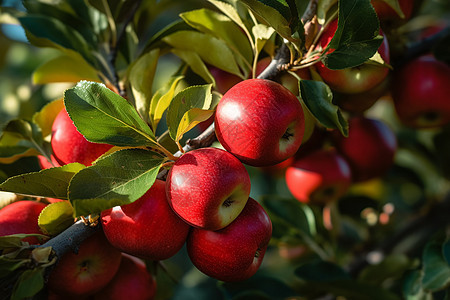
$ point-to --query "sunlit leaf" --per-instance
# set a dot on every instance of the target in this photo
(45, 117)
(56, 217)
(196, 64)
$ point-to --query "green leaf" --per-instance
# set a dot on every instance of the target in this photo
(103, 116)
(45, 117)
(321, 271)
(231, 12)
(64, 68)
(262, 34)
(49, 183)
(323, 9)
(9, 15)
(59, 33)
(161, 100)
(141, 78)
(293, 213)
(194, 61)
(116, 179)
(189, 107)
(446, 250)
(9, 154)
(157, 38)
(436, 270)
(393, 266)
(29, 284)
(318, 98)
(212, 50)
(356, 39)
(221, 27)
(395, 5)
(56, 217)
(15, 240)
(8, 265)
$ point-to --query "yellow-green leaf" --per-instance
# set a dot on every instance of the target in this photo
(45, 117)
(56, 217)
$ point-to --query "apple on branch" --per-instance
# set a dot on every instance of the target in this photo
(146, 228)
(260, 122)
(208, 188)
(356, 79)
(235, 252)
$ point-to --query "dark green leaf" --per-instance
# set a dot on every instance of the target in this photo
(318, 98)
(50, 183)
(103, 116)
(356, 39)
(9, 154)
(446, 250)
(26, 130)
(15, 240)
(436, 270)
(321, 271)
(412, 287)
(392, 266)
(29, 284)
(117, 179)
(56, 217)
(189, 107)
(9, 265)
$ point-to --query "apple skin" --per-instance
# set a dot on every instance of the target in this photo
(421, 92)
(260, 122)
(369, 148)
(21, 217)
(386, 13)
(208, 188)
(236, 252)
(45, 164)
(70, 146)
(132, 281)
(357, 79)
(147, 228)
(87, 272)
(320, 177)
(224, 80)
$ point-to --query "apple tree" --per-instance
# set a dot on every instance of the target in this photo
(224, 149)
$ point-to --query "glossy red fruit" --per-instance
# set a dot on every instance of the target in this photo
(224, 80)
(357, 79)
(320, 177)
(132, 281)
(45, 164)
(369, 148)
(234, 253)
(208, 188)
(21, 217)
(88, 271)
(421, 92)
(260, 122)
(70, 146)
(386, 13)
(147, 228)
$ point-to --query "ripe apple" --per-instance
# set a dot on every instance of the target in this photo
(224, 80)
(352, 80)
(86, 272)
(147, 228)
(260, 122)
(320, 177)
(21, 217)
(386, 13)
(70, 146)
(132, 281)
(235, 252)
(369, 148)
(208, 188)
(45, 164)
(421, 92)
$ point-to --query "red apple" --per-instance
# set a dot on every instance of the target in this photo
(86, 272)
(45, 164)
(21, 217)
(320, 177)
(132, 281)
(70, 146)
(234, 253)
(260, 122)
(208, 188)
(352, 80)
(147, 228)
(386, 13)
(421, 92)
(224, 80)
(369, 148)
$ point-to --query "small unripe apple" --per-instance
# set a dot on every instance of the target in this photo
(147, 228)
(421, 92)
(235, 252)
(320, 177)
(88, 271)
(70, 146)
(356, 79)
(260, 122)
(21, 217)
(132, 281)
(369, 148)
(208, 188)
